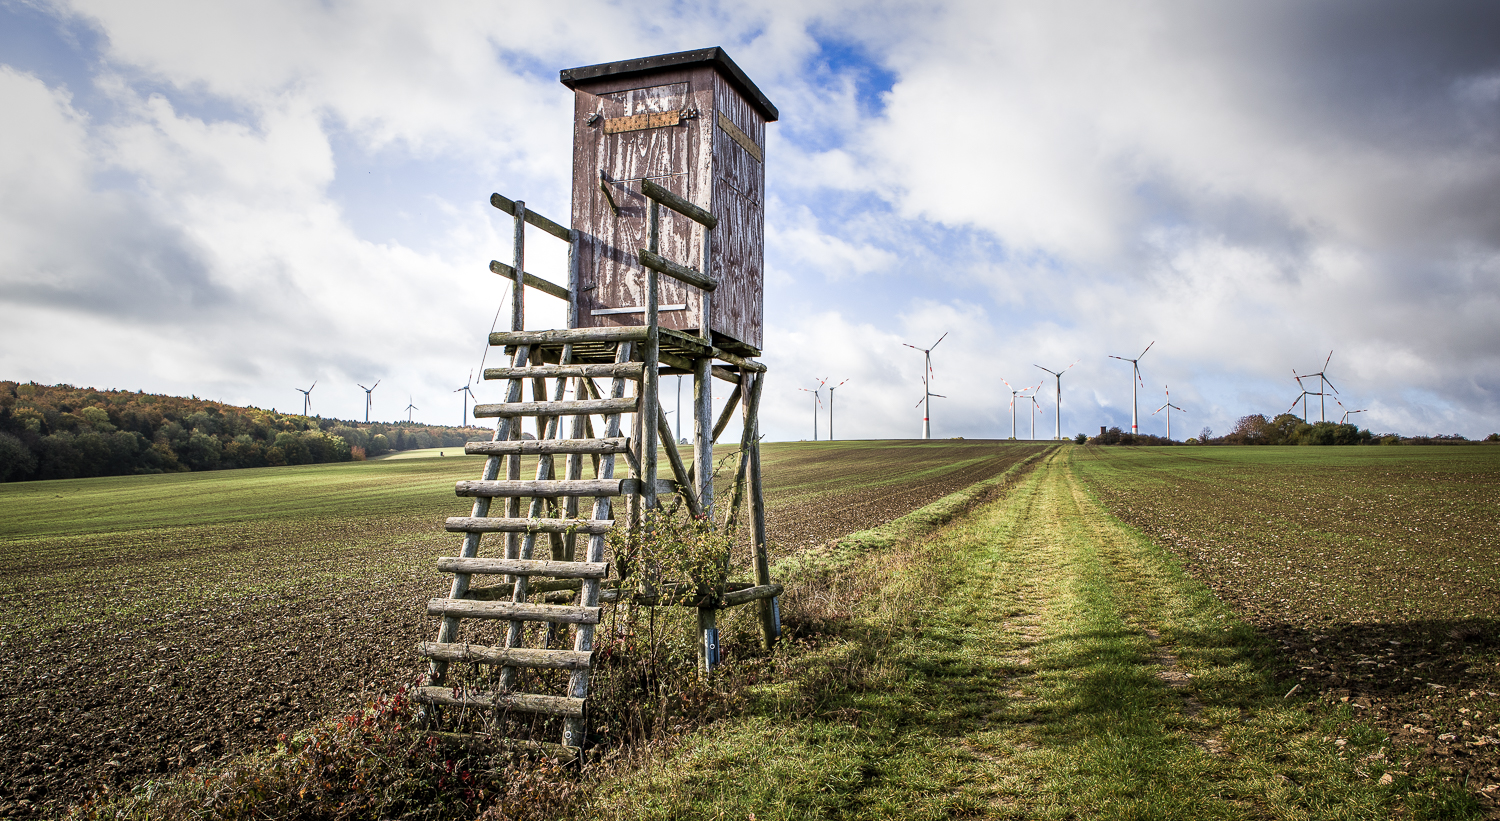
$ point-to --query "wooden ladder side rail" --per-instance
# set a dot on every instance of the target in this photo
(583, 637)
(546, 429)
(438, 669)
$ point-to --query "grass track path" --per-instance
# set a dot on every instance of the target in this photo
(1035, 660)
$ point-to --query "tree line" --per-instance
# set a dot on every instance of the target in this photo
(64, 432)
(1283, 429)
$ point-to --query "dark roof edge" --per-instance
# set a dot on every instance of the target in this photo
(571, 77)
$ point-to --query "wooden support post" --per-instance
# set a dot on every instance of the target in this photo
(651, 376)
(679, 471)
(746, 389)
(518, 290)
(708, 639)
(770, 628)
(703, 434)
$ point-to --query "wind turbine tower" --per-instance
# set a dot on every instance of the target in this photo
(368, 391)
(817, 403)
(307, 397)
(1059, 374)
(1016, 393)
(468, 394)
(1322, 384)
(1168, 407)
(830, 407)
(1036, 408)
(1135, 365)
(927, 393)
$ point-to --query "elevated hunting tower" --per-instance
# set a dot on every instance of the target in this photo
(664, 277)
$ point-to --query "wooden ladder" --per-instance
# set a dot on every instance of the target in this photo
(530, 585)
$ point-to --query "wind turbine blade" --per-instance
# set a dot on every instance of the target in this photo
(1326, 361)
(940, 396)
(1121, 358)
(914, 347)
(945, 336)
(1148, 347)
(1075, 362)
(1330, 384)
(376, 385)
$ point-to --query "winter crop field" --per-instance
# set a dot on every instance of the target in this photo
(1376, 569)
(156, 622)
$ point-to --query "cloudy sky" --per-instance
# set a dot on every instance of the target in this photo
(236, 199)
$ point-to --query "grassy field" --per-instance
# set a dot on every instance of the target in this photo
(1037, 659)
(156, 622)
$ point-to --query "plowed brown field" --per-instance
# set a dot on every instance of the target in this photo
(158, 622)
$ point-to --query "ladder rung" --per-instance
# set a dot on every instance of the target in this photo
(546, 487)
(568, 407)
(618, 444)
(491, 524)
(523, 702)
(631, 370)
(626, 334)
(513, 611)
(509, 657)
(524, 567)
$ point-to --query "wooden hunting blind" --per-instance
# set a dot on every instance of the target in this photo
(694, 124)
(664, 276)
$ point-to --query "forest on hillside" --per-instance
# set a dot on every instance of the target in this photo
(64, 432)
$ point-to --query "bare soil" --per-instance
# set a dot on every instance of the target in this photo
(162, 665)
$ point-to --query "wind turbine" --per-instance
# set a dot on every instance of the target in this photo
(307, 397)
(467, 395)
(1014, 394)
(1059, 374)
(1347, 412)
(830, 407)
(368, 391)
(1036, 408)
(1322, 382)
(927, 393)
(410, 407)
(817, 403)
(1302, 397)
(1169, 407)
(1136, 368)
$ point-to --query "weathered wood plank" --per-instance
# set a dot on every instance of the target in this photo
(513, 656)
(603, 369)
(531, 447)
(521, 702)
(514, 488)
(496, 524)
(763, 591)
(678, 204)
(557, 337)
(531, 280)
(681, 273)
(524, 567)
(571, 407)
(513, 611)
(532, 217)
